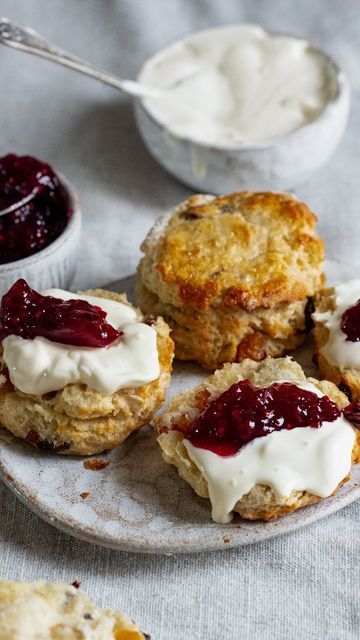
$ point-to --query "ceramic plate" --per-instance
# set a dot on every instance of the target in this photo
(137, 502)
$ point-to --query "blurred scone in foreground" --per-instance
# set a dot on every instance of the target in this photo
(40, 611)
(232, 275)
(260, 439)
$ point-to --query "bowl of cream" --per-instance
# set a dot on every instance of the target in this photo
(239, 107)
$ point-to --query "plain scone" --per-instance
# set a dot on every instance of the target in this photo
(79, 420)
(347, 379)
(41, 611)
(232, 275)
(260, 502)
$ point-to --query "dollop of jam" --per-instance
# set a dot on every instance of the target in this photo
(36, 224)
(26, 313)
(244, 412)
(350, 323)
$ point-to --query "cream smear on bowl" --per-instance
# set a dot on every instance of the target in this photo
(238, 85)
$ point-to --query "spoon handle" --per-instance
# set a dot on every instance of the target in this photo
(26, 39)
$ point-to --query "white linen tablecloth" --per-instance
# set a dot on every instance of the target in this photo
(301, 586)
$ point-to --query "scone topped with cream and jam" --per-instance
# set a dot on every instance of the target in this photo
(260, 439)
(59, 611)
(337, 336)
(232, 275)
(79, 372)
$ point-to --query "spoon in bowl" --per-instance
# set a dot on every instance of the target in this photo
(20, 203)
(26, 39)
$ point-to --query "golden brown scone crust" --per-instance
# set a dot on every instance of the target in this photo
(347, 378)
(260, 503)
(244, 250)
(232, 275)
(229, 335)
(79, 420)
(30, 611)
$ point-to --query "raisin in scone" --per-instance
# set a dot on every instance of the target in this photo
(260, 439)
(79, 373)
(232, 275)
(41, 611)
(337, 336)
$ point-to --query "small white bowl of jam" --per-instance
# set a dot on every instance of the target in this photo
(39, 240)
(240, 107)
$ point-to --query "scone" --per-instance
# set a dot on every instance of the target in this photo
(232, 275)
(40, 611)
(60, 394)
(337, 336)
(260, 439)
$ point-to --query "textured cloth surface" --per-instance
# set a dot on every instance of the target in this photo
(301, 586)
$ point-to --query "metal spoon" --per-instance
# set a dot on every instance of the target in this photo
(20, 203)
(26, 39)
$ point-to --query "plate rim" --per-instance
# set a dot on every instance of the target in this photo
(218, 533)
(222, 536)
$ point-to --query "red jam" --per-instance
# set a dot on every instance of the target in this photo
(26, 313)
(352, 413)
(243, 413)
(350, 323)
(36, 224)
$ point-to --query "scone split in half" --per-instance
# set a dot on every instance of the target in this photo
(232, 275)
(79, 372)
(35, 611)
(260, 439)
(337, 336)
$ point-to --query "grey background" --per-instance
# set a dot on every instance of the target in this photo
(304, 585)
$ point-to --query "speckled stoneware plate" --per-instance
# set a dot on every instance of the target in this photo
(138, 503)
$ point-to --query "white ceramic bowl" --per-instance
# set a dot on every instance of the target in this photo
(279, 164)
(53, 266)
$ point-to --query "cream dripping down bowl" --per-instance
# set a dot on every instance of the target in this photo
(242, 109)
